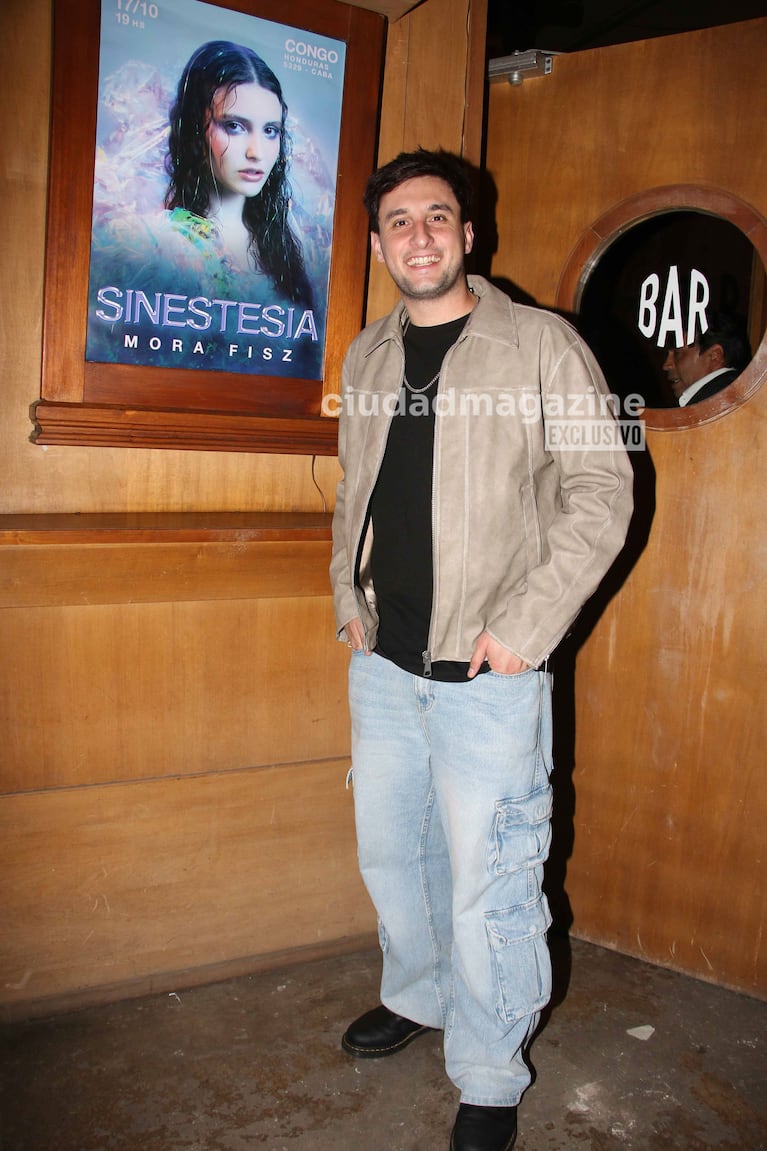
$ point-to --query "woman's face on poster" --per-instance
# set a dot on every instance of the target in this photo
(244, 134)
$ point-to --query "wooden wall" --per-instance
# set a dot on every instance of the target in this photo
(437, 106)
(173, 729)
(173, 725)
(665, 805)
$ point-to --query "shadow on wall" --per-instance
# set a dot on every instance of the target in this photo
(563, 662)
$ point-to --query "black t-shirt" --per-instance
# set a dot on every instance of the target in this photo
(401, 509)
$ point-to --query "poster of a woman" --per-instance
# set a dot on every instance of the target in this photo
(214, 190)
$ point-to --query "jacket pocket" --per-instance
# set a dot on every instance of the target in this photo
(532, 527)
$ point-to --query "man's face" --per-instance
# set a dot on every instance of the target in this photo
(684, 366)
(421, 239)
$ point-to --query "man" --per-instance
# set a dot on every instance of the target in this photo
(463, 549)
(707, 365)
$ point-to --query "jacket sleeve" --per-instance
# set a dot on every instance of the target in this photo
(341, 564)
(584, 505)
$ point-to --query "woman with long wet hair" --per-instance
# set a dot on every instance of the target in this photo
(228, 158)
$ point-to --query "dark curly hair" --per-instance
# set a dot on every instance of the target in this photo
(273, 246)
(408, 166)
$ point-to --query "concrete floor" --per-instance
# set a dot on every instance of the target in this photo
(255, 1063)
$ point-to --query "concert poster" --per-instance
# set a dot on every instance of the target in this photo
(214, 190)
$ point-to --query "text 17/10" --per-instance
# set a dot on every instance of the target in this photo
(128, 8)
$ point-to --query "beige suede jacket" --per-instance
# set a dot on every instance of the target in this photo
(532, 487)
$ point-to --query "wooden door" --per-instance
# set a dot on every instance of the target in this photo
(661, 791)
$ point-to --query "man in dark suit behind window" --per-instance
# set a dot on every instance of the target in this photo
(706, 366)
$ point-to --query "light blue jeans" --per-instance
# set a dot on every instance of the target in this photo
(453, 809)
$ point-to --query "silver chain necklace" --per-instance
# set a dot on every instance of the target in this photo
(419, 391)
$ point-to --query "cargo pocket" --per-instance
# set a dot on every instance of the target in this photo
(520, 955)
(519, 843)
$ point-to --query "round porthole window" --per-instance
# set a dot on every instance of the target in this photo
(670, 291)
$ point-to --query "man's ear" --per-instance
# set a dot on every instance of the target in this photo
(716, 357)
(375, 245)
(468, 237)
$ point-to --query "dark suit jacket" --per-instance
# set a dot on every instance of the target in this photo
(715, 385)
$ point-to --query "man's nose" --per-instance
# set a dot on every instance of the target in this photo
(422, 232)
(668, 363)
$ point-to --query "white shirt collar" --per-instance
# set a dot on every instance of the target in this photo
(689, 393)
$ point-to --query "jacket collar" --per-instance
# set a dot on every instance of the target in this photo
(494, 318)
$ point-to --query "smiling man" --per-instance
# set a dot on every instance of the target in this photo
(423, 240)
(463, 548)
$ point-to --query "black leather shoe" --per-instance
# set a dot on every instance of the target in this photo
(484, 1128)
(380, 1032)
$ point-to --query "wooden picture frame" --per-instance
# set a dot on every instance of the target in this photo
(127, 405)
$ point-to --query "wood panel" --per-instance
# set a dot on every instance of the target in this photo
(138, 887)
(126, 691)
(161, 573)
(671, 791)
(617, 121)
(665, 789)
(433, 96)
(165, 527)
(174, 692)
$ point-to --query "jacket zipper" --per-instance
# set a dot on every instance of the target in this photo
(426, 655)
